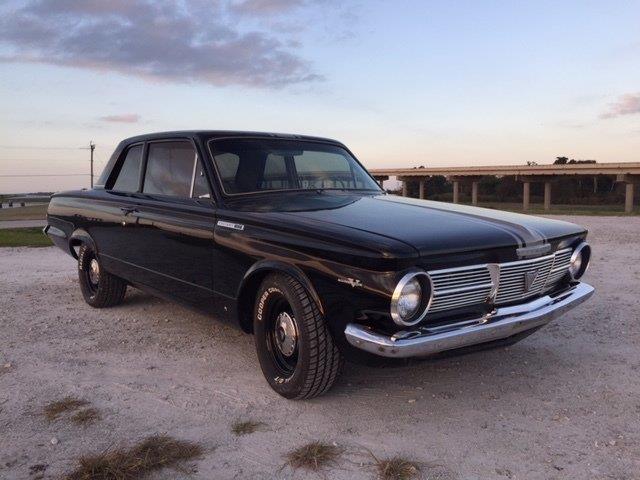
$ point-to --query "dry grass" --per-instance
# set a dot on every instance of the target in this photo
(246, 428)
(396, 468)
(152, 454)
(29, 212)
(67, 404)
(86, 416)
(313, 456)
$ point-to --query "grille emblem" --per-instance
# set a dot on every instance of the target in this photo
(529, 278)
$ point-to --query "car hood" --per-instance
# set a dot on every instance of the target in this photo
(430, 227)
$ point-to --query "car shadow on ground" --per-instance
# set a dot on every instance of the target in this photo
(522, 366)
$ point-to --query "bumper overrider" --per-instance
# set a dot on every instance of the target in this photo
(502, 323)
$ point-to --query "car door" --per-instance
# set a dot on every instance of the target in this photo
(111, 226)
(175, 219)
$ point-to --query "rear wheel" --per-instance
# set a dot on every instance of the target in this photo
(99, 288)
(297, 354)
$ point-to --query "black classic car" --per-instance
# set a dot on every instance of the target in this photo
(291, 238)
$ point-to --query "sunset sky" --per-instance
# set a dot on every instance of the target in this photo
(402, 83)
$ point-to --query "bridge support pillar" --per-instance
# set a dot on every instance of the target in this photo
(526, 195)
(474, 193)
(456, 191)
(547, 195)
(628, 197)
(423, 189)
(630, 182)
(405, 188)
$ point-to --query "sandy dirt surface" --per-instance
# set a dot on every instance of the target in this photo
(563, 403)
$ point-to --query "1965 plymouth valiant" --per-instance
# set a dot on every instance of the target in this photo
(291, 238)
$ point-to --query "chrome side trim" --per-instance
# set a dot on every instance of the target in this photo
(499, 324)
(193, 175)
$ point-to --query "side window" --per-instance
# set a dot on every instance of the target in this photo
(170, 169)
(200, 184)
(227, 164)
(129, 175)
(275, 173)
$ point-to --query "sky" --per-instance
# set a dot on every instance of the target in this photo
(402, 83)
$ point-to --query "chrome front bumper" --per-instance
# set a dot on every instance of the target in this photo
(502, 323)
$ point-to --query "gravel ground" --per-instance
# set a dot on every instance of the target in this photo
(563, 403)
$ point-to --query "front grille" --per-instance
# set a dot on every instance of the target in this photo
(560, 266)
(512, 285)
(458, 287)
(465, 286)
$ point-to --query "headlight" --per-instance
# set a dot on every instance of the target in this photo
(411, 298)
(579, 261)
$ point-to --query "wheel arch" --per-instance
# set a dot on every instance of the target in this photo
(80, 237)
(254, 277)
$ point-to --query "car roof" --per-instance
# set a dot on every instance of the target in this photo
(210, 134)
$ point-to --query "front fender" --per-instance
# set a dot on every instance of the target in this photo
(251, 282)
(266, 266)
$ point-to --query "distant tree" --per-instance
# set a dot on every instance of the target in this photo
(531, 163)
(561, 161)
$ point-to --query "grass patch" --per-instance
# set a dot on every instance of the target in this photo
(152, 454)
(23, 237)
(86, 416)
(29, 212)
(246, 428)
(313, 456)
(67, 404)
(396, 468)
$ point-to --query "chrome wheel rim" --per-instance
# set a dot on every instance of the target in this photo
(94, 271)
(282, 336)
(286, 335)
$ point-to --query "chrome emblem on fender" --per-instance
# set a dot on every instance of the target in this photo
(235, 226)
(351, 281)
(529, 278)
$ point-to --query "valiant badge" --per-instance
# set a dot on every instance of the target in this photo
(351, 281)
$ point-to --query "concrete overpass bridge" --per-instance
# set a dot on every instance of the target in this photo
(627, 173)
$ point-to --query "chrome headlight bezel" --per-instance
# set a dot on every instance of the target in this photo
(582, 252)
(425, 302)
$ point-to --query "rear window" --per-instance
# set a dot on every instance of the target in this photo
(129, 176)
(170, 169)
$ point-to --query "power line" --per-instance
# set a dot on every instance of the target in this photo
(50, 175)
(25, 147)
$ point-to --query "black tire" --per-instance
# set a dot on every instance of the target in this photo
(101, 289)
(306, 366)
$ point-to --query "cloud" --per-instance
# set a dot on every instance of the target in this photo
(627, 104)
(123, 118)
(172, 40)
(265, 7)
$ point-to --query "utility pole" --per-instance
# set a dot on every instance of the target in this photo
(92, 147)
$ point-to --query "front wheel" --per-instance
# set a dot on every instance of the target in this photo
(100, 289)
(297, 354)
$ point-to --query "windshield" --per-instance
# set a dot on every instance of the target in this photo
(256, 165)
